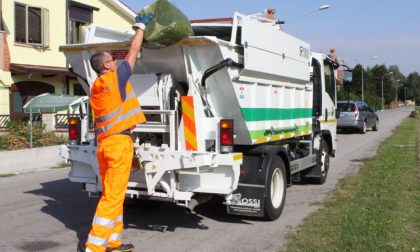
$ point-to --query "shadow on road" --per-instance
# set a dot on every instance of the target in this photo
(67, 203)
(352, 132)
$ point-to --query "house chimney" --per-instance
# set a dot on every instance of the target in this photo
(271, 14)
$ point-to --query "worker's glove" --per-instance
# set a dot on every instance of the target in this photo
(142, 20)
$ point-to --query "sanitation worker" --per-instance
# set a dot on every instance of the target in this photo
(117, 111)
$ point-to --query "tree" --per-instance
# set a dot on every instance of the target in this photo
(413, 85)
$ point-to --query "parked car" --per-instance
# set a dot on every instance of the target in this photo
(356, 115)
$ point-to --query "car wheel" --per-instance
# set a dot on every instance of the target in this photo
(376, 126)
(363, 129)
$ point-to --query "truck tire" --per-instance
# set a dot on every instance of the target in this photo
(276, 189)
(322, 163)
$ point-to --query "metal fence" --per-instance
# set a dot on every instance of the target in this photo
(4, 119)
(62, 121)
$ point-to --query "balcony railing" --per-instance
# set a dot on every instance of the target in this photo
(4, 119)
(62, 121)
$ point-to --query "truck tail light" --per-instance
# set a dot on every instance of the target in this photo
(356, 111)
(74, 130)
(226, 135)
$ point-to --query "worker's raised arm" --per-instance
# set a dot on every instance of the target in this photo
(137, 42)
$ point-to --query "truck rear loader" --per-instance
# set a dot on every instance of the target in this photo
(239, 111)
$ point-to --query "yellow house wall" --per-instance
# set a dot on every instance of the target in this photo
(4, 100)
(24, 54)
(106, 16)
(58, 82)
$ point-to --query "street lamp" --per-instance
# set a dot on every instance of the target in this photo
(396, 81)
(382, 82)
(323, 7)
(363, 97)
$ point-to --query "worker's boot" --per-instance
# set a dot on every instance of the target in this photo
(121, 248)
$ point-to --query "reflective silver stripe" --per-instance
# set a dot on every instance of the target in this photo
(119, 218)
(108, 116)
(114, 237)
(88, 250)
(97, 241)
(103, 222)
(130, 95)
(120, 118)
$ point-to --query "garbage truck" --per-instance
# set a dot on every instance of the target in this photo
(239, 111)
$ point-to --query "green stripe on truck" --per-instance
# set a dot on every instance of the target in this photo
(271, 114)
(256, 134)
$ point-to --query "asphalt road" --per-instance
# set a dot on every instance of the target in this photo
(44, 211)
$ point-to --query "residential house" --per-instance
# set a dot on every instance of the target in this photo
(31, 32)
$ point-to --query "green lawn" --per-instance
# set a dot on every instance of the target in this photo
(378, 209)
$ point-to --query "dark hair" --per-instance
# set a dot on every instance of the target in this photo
(97, 61)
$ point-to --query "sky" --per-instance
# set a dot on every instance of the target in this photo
(366, 32)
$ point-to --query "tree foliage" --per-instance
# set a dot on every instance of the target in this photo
(395, 86)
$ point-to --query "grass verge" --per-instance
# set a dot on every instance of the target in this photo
(376, 209)
(7, 175)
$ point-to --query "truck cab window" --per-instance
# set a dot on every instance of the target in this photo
(329, 80)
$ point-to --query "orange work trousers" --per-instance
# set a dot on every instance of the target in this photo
(115, 155)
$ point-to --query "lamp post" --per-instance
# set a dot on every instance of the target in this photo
(323, 7)
(363, 97)
(396, 81)
(382, 82)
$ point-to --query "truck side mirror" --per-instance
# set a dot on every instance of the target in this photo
(348, 78)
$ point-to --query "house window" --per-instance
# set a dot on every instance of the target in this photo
(31, 25)
(80, 15)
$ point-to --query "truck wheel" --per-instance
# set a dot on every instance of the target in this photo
(322, 163)
(363, 129)
(376, 126)
(276, 189)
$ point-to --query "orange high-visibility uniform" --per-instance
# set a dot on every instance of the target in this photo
(115, 155)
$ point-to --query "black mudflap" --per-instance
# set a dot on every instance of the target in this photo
(248, 200)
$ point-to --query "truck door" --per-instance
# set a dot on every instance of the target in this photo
(329, 94)
(329, 101)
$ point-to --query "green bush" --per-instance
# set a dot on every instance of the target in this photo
(17, 136)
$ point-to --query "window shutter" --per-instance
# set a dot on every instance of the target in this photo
(34, 25)
(80, 14)
(20, 23)
(45, 28)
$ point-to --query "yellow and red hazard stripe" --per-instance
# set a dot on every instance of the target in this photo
(189, 123)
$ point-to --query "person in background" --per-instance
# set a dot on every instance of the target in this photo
(117, 111)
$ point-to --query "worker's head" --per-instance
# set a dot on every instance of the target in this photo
(103, 62)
